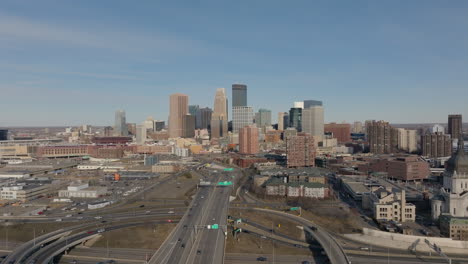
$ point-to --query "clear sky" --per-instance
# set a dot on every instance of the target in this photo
(76, 62)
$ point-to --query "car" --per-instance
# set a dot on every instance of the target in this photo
(141, 206)
(97, 217)
(58, 220)
(90, 232)
(183, 245)
(170, 212)
(261, 259)
(101, 230)
(73, 261)
(185, 226)
(80, 217)
(169, 220)
(68, 215)
(198, 252)
(178, 240)
(147, 212)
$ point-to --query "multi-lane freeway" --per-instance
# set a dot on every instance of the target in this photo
(193, 241)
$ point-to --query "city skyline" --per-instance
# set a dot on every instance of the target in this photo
(57, 56)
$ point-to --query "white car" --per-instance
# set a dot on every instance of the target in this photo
(58, 220)
(98, 217)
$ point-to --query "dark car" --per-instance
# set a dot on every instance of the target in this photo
(141, 206)
(183, 245)
(261, 259)
(198, 252)
(305, 262)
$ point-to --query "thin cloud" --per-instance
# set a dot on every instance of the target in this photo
(25, 31)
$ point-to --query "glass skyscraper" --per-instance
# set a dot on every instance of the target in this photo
(239, 95)
(120, 127)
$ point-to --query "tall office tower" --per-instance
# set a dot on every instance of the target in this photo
(131, 128)
(310, 103)
(219, 118)
(357, 127)
(141, 134)
(203, 118)
(120, 128)
(438, 129)
(193, 110)
(3, 134)
(108, 131)
(299, 105)
(248, 140)
(407, 140)
(342, 132)
(455, 126)
(188, 126)
(241, 116)
(281, 124)
(383, 138)
(300, 150)
(312, 122)
(436, 145)
(159, 125)
(177, 110)
(149, 124)
(239, 95)
(295, 118)
(263, 117)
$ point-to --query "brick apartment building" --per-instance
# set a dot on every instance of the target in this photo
(300, 150)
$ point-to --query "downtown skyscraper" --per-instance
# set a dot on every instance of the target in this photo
(455, 126)
(219, 118)
(239, 95)
(178, 108)
(120, 127)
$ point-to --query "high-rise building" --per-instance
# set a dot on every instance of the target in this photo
(177, 110)
(312, 122)
(455, 126)
(193, 110)
(141, 134)
(438, 129)
(159, 125)
(436, 145)
(263, 117)
(342, 132)
(188, 126)
(242, 116)
(131, 128)
(310, 103)
(248, 140)
(3, 134)
(203, 118)
(120, 128)
(300, 150)
(383, 138)
(407, 140)
(219, 118)
(358, 127)
(295, 118)
(299, 105)
(239, 95)
(282, 124)
(149, 123)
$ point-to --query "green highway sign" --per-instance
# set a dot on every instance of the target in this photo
(294, 208)
(228, 169)
(215, 226)
(225, 183)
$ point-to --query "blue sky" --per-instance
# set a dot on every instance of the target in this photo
(76, 62)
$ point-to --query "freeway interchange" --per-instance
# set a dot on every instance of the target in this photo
(199, 236)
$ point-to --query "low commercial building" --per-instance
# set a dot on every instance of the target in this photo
(97, 205)
(405, 168)
(454, 227)
(82, 190)
(277, 187)
(387, 204)
(23, 192)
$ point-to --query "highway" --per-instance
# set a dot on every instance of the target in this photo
(191, 241)
(47, 253)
